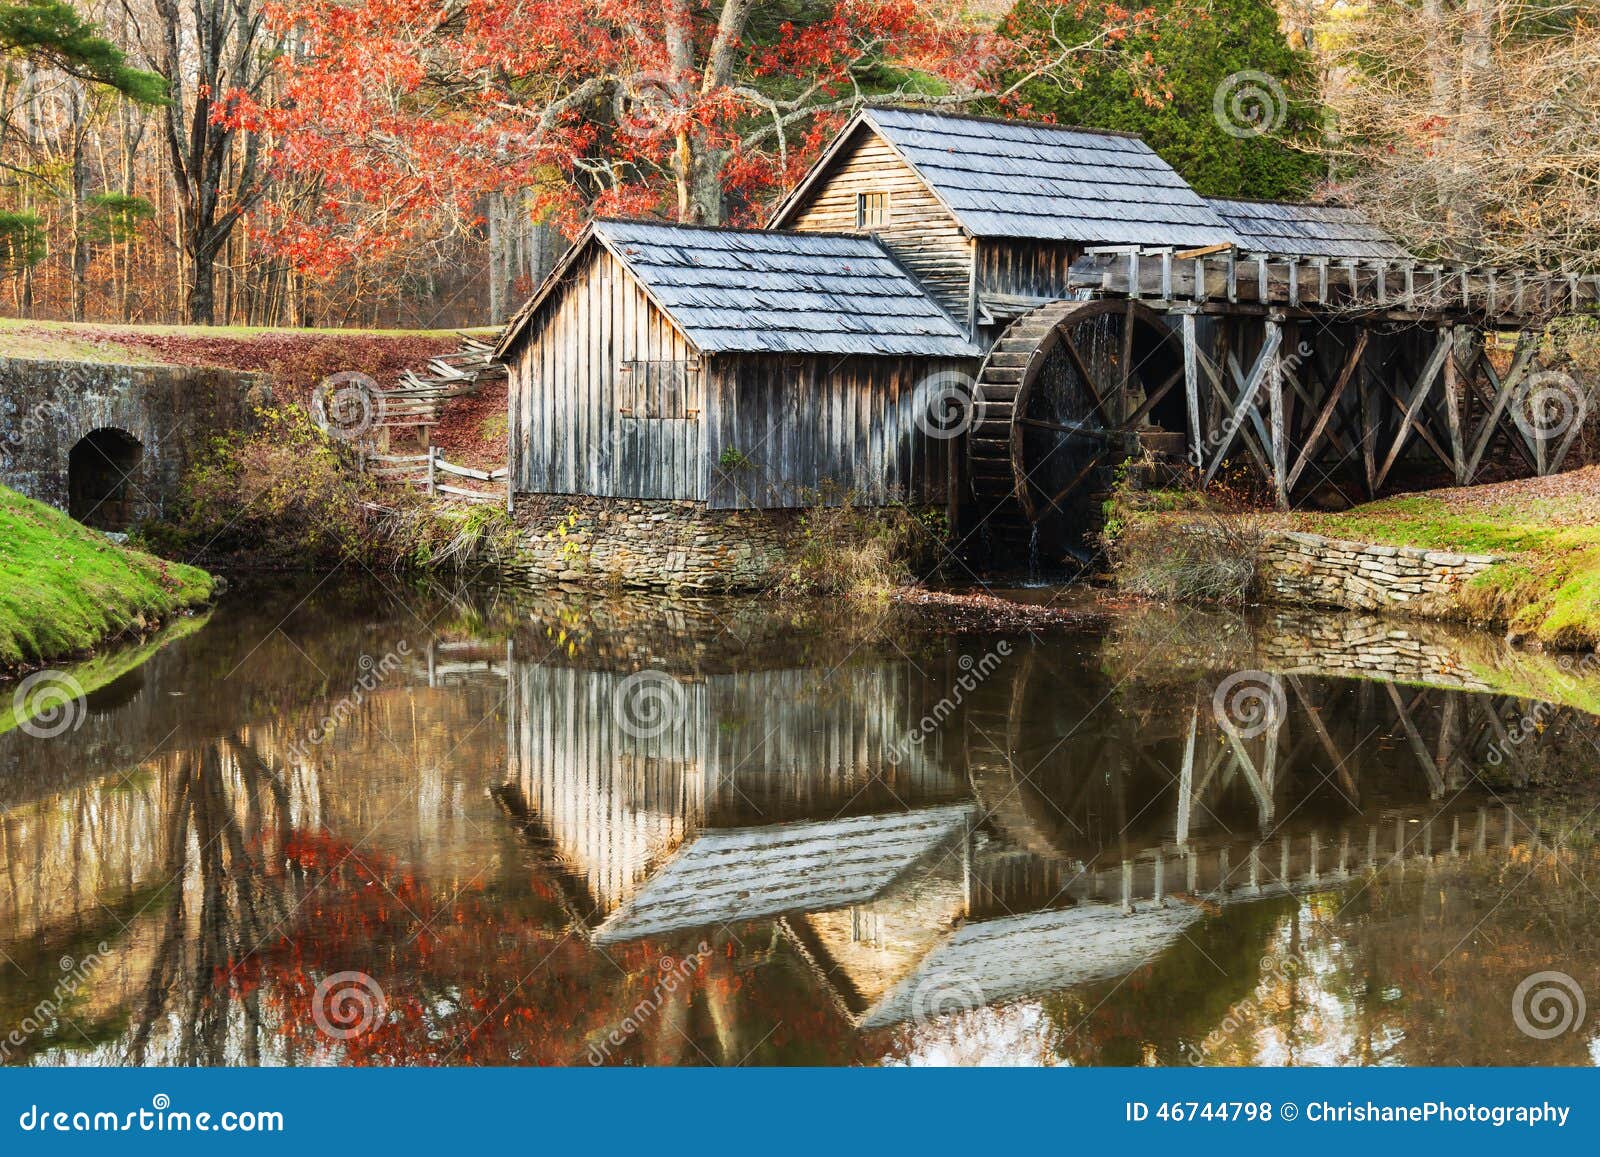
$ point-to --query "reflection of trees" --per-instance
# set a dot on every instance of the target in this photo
(228, 893)
(1187, 991)
(1434, 964)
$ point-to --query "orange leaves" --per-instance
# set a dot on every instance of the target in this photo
(404, 116)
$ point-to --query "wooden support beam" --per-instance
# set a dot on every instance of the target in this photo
(1352, 363)
(1191, 389)
(1418, 747)
(1583, 402)
(1452, 409)
(1245, 402)
(1280, 446)
(1418, 395)
(1500, 397)
(1369, 431)
(1257, 424)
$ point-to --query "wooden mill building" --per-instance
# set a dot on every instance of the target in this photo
(990, 315)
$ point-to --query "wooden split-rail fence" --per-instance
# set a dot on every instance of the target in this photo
(429, 470)
(415, 401)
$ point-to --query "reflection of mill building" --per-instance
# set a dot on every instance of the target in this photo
(769, 797)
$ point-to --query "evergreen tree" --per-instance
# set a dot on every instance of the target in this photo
(52, 34)
(1213, 86)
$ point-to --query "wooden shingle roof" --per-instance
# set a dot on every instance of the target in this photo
(1007, 178)
(736, 874)
(747, 291)
(993, 961)
(735, 290)
(1300, 230)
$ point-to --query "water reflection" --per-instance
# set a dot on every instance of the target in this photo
(829, 845)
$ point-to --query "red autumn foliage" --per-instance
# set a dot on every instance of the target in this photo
(397, 116)
(471, 976)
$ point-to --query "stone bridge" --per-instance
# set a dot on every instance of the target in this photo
(109, 444)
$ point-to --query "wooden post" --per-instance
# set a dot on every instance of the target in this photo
(1280, 449)
(1191, 389)
(1452, 408)
(432, 452)
(1186, 779)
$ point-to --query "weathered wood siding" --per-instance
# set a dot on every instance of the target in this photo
(568, 433)
(796, 431)
(1025, 268)
(750, 747)
(921, 233)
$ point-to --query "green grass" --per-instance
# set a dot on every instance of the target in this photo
(1548, 591)
(65, 589)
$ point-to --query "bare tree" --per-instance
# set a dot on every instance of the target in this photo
(208, 50)
(1471, 128)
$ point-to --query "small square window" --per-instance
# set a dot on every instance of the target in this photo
(658, 389)
(872, 210)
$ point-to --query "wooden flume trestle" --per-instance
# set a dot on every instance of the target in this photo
(1324, 374)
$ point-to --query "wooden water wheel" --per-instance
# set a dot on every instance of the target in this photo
(1062, 397)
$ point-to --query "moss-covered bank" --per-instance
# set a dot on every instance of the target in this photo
(66, 589)
(1548, 592)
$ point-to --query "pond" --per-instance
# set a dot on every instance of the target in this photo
(367, 826)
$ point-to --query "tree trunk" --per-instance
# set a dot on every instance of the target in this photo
(200, 306)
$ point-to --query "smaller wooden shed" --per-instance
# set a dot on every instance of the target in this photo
(742, 368)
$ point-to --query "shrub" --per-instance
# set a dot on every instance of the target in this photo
(859, 551)
(1213, 556)
(290, 497)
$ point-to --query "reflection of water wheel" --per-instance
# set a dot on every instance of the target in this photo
(1062, 396)
(991, 728)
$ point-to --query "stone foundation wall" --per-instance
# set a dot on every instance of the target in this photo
(650, 544)
(1311, 570)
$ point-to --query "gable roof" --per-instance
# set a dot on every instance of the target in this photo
(1011, 178)
(750, 291)
(736, 874)
(999, 960)
(1301, 230)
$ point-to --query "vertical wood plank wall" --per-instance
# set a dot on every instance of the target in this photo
(568, 435)
(1027, 268)
(921, 233)
(812, 428)
(748, 748)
